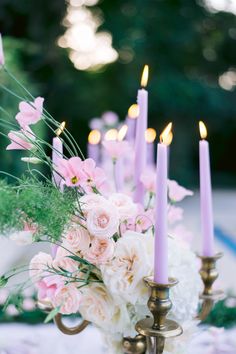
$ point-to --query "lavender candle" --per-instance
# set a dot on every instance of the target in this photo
(140, 142)
(161, 237)
(57, 153)
(93, 147)
(207, 224)
(150, 136)
(131, 121)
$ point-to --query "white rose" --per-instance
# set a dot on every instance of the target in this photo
(88, 201)
(98, 307)
(132, 261)
(103, 221)
(22, 238)
(126, 207)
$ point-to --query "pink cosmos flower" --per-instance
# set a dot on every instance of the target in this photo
(30, 113)
(177, 192)
(101, 251)
(25, 236)
(116, 149)
(148, 179)
(141, 222)
(95, 176)
(174, 214)
(21, 140)
(68, 298)
(144, 220)
(72, 171)
(2, 59)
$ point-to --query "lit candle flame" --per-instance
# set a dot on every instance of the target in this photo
(203, 130)
(133, 111)
(94, 137)
(167, 136)
(60, 129)
(122, 132)
(144, 79)
(111, 134)
(150, 135)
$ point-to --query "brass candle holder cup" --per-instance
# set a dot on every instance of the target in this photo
(209, 274)
(159, 327)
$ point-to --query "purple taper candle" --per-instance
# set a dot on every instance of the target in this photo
(131, 121)
(93, 147)
(150, 137)
(57, 153)
(140, 142)
(161, 237)
(207, 224)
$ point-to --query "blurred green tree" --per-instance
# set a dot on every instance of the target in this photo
(188, 49)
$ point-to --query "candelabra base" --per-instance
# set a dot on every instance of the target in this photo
(169, 329)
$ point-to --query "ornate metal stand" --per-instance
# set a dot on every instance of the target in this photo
(209, 274)
(159, 327)
(154, 331)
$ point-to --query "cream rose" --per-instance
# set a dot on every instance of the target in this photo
(89, 201)
(124, 204)
(101, 250)
(98, 307)
(77, 239)
(39, 264)
(103, 221)
(132, 260)
(68, 298)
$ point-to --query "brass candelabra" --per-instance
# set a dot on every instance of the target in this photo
(159, 327)
(153, 331)
(209, 274)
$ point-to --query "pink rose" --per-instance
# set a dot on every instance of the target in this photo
(68, 298)
(77, 239)
(39, 264)
(176, 192)
(72, 171)
(30, 113)
(103, 221)
(48, 286)
(148, 179)
(63, 261)
(101, 251)
(116, 149)
(21, 140)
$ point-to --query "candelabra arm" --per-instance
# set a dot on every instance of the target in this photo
(205, 310)
(69, 330)
(47, 307)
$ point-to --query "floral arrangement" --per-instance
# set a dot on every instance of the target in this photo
(102, 241)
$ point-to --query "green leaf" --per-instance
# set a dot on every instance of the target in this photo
(52, 314)
(3, 281)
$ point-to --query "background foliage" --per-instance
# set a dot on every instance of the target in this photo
(186, 46)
